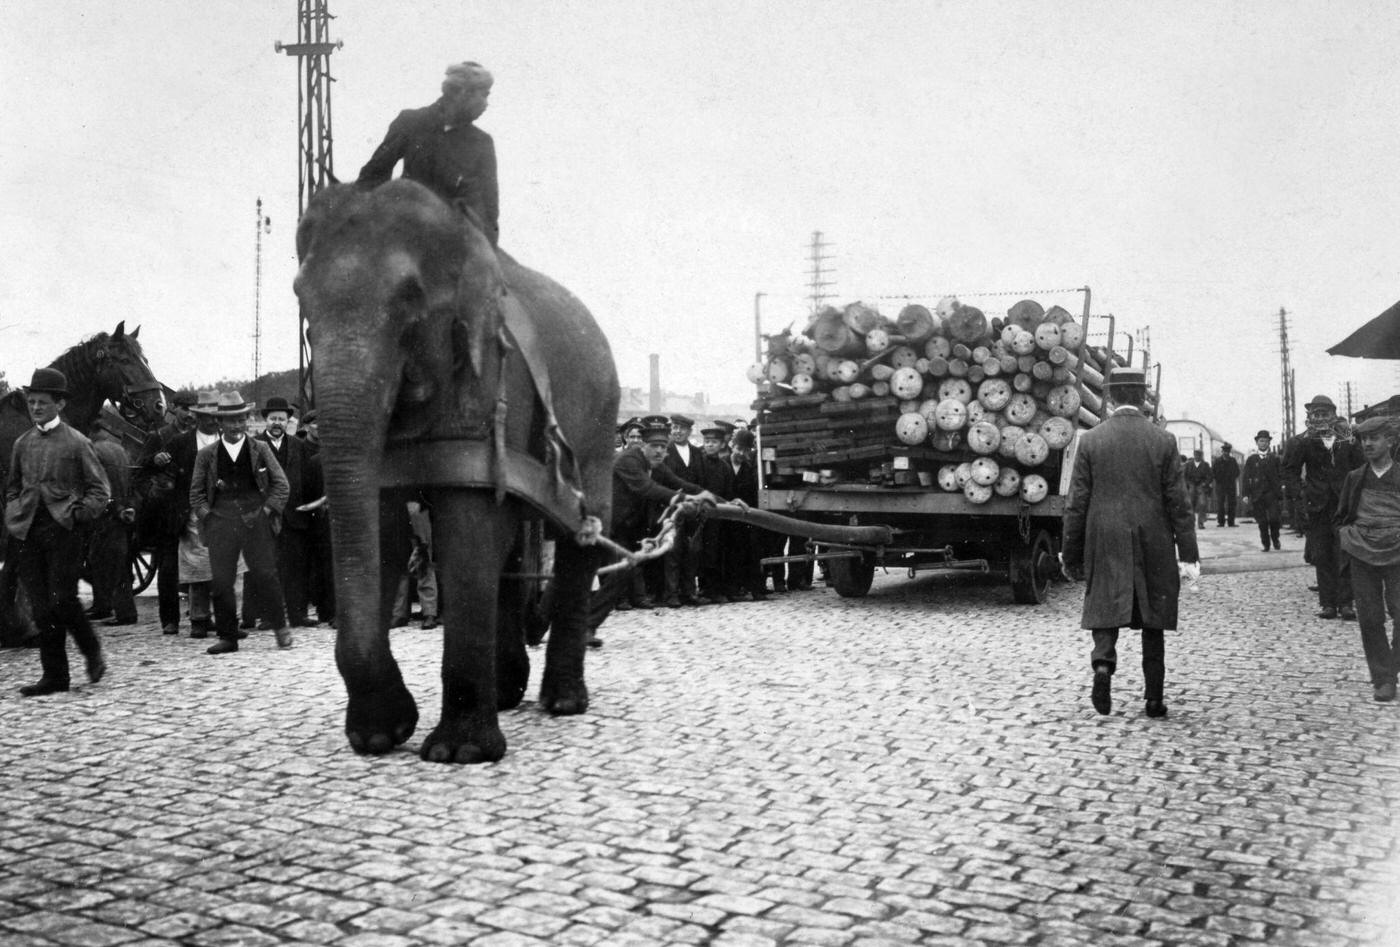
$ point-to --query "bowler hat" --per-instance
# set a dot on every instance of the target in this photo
(50, 381)
(277, 403)
(232, 405)
(1265, 435)
(656, 427)
(1321, 401)
(680, 420)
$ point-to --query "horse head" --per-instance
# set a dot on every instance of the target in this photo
(120, 374)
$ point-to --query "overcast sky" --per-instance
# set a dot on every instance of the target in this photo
(1198, 164)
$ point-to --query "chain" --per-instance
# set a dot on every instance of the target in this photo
(1000, 292)
(653, 547)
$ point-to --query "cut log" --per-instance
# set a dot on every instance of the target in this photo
(1026, 314)
(831, 334)
(860, 318)
(915, 323)
(968, 325)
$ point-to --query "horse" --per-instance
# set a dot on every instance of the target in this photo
(106, 367)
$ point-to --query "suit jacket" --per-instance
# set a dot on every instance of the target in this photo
(204, 484)
(1197, 473)
(686, 471)
(1128, 521)
(717, 476)
(1226, 471)
(303, 480)
(636, 486)
(1316, 473)
(1263, 478)
(58, 469)
(458, 163)
(745, 482)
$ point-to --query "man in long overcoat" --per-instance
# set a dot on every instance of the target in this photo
(1127, 523)
(1263, 484)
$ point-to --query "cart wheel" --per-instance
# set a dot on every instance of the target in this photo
(1032, 567)
(143, 570)
(851, 577)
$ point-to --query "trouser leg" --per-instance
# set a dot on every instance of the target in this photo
(224, 537)
(1154, 663)
(1368, 583)
(1322, 541)
(293, 550)
(260, 554)
(428, 592)
(201, 604)
(1104, 655)
(167, 564)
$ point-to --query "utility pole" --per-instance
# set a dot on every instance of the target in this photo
(315, 169)
(1144, 342)
(264, 226)
(1348, 393)
(819, 283)
(758, 328)
(1287, 375)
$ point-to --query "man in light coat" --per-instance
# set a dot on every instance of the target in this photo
(1127, 523)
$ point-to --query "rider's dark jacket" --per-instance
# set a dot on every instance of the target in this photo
(458, 162)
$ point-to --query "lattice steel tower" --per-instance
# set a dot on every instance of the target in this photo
(1287, 375)
(819, 283)
(315, 169)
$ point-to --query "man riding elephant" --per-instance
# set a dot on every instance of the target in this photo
(442, 149)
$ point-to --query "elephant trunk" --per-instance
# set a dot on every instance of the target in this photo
(352, 432)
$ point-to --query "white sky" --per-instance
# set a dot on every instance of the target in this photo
(1198, 164)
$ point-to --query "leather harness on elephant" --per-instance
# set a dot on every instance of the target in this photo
(471, 448)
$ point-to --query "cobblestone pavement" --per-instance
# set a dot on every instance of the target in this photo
(919, 767)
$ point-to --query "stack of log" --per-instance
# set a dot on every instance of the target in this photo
(971, 404)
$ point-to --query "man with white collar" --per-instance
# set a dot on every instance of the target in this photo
(1127, 523)
(294, 541)
(1368, 517)
(682, 564)
(1263, 486)
(1315, 463)
(55, 482)
(236, 494)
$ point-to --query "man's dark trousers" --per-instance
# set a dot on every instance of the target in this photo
(235, 527)
(293, 559)
(1377, 593)
(109, 558)
(1224, 505)
(1154, 657)
(1325, 552)
(50, 560)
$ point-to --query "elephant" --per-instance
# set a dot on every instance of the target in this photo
(442, 369)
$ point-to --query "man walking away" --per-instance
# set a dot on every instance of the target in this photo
(1226, 471)
(1127, 523)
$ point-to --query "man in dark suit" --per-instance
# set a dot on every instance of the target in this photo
(1263, 486)
(237, 490)
(163, 480)
(1315, 463)
(718, 477)
(1226, 474)
(641, 482)
(743, 574)
(682, 460)
(294, 539)
(442, 149)
(1127, 523)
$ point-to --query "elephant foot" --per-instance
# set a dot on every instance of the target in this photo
(563, 697)
(464, 742)
(376, 721)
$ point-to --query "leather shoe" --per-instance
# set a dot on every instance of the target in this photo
(284, 637)
(43, 686)
(1102, 694)
(1328, 612)
(428, 624)
(223, 646)
(594, 641)
(92, 614)
(761, 597)
(118, 622)
(198, 633)
(672, 602)
(1276, 545)
(1155, 708)
(1347, 613)
(170, 629)
(623, 606)
(96, 667)
(1385, 693)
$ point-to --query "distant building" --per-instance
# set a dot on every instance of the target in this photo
(1195, 436)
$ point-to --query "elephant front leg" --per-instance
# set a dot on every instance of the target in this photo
(470, 564)
(381, 713)
(562, 689)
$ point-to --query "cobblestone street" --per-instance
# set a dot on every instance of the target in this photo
(922, 766)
